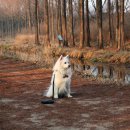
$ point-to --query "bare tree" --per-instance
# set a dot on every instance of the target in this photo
(81, 8)
(36, 23)
(52, 20)
(122, 24)
(71, 21)
(117, 22)
(29, 15)
(59, 18)
(64, 20)
(109, 22)
(47, 22)
(87, 25)
(99, 22)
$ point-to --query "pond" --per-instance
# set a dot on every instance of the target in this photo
(106, 72)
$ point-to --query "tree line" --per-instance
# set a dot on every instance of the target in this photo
(78, 23)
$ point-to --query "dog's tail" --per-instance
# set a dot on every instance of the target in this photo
(49, 93)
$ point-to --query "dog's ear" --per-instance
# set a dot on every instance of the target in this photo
(67, 56)
(61, 57)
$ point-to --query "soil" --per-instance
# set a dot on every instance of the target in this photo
(94, 106)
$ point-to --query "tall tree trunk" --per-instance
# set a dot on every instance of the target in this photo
(47, 22)
(87, 25)
(109, 22)
(99, 23)
(71, 21)
(60, 18)
(26, 20)
(52, 22)
(119, 30)
(38, 10)
(81, 8)
(117, 22)
(122, 25)
(36, 24)
(29, 16)
(64, 24)
(2, 28)
(112, 23)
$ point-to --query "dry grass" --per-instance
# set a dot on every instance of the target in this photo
(120, 57)
(24, 39)
(76, 54)
(25, 49)
(88, 55)
(27, 39)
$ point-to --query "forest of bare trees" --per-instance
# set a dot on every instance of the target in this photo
(81, 23)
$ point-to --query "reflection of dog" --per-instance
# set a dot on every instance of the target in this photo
(62, 80)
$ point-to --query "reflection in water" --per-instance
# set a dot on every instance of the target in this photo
(120, 73)
(117, 73)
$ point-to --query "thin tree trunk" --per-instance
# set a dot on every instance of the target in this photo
(71, 21)
(36, 24)
(119, 30)
(2, 29)
(47, 21)
(38, 10)
(87, 25)
(29, 16)
(117, 22)
(81, 8)
(65, 24)
(53, 33)
(99, 23)
(109, 22)
(122, 25)
(112, 24)
(60, 18)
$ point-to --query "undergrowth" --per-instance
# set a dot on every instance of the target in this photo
(24, 48)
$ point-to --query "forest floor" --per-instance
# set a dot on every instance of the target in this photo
(94, 106)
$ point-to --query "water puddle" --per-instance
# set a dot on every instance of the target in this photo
(107, 72)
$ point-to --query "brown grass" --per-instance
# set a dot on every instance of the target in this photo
(25, 49)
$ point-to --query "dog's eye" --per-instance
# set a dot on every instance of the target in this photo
(65, 62)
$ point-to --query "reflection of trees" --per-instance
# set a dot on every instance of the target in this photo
(100, 71)
(120, 75)
(84, 67)
(81, 68)
(117, 73)
(127, 78)
(111, 69)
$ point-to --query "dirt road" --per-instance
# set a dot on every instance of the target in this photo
(94, 106)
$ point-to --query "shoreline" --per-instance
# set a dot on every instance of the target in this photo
(31, 52)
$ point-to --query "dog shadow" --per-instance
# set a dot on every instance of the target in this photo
(73, 94)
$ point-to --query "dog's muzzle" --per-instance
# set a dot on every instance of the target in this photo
(69, 66)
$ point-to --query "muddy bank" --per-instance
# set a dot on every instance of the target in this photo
(94, 105)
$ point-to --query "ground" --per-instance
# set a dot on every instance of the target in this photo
(94, 106)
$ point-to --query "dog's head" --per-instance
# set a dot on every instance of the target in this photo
(62, 62)
(65, 62)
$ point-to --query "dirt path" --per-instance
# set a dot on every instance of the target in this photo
(94, 106)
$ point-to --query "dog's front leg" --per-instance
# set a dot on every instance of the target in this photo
(56, 92)
(68, 94)
(68, 89)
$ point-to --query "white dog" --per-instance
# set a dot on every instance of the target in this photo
(62, 80)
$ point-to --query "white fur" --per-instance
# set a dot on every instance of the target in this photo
(61, 84)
